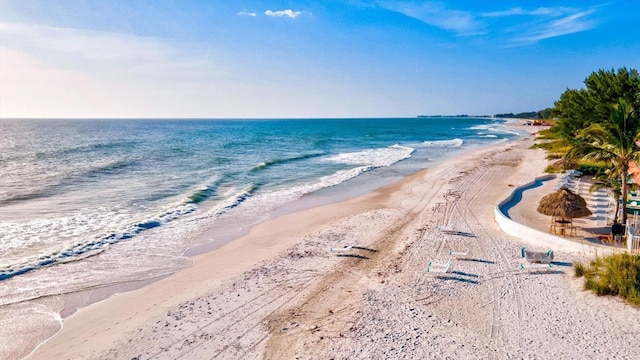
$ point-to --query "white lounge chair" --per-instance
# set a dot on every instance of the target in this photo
(348, 247)
(538, 257)
(439, 268)
(459, 253)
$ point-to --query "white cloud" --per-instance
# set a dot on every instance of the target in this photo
(77, 47)
(567, 25)
(517, 11)
(514, 26)
(288, 13)
(553, 23)
(247, 13)
(436, 14)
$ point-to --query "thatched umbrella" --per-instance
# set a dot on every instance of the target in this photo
(564, 204)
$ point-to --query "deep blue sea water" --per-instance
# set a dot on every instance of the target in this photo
(87, 203)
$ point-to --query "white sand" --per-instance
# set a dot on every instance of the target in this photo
(280, 293)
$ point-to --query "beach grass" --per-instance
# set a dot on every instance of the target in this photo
(616, 275)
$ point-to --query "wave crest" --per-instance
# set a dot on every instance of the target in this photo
(266, 164)
(444, 143)
(374, 157)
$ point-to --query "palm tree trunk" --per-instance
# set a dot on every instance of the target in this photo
(624, 198)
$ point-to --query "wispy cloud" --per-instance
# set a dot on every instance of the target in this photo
(283, 13)
(247, 13)
(513, 26)
(74, 72)
(548, 11)
(563, 26)
(543, 23)
(107, 55)
(437, 14)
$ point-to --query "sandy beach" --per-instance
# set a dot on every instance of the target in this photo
(280, 292)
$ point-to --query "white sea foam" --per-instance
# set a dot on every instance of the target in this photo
(496, 128)
(444, 143)
(256, 206)
(373, 157)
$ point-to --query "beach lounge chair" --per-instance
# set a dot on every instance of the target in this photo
(344, 248)
(348, 247)
(459, 253)
(539, 257)
(439, 268)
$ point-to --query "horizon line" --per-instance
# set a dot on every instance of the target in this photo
(240, 118)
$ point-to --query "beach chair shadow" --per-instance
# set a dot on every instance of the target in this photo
(355, 256)
(478, 260)
(364, 248)
(450, 231)
(458, 278)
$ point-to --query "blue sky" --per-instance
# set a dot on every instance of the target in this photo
(266, 59)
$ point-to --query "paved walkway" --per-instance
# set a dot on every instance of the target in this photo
(600, 204)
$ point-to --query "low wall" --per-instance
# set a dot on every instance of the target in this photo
(539, 238)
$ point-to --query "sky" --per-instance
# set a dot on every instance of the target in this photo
(304, 59)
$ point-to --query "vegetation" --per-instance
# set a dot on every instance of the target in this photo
(542, 114)
(617, 275)
(601, 125)
(613, 142)
(597, 131)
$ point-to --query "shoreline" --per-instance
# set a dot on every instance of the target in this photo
(236, 243)
(281, 272)
(129, 287)
(69, 303)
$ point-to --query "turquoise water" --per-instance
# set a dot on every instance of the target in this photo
(85, 203)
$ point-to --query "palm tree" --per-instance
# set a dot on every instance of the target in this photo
(613, 142)
(607, 179)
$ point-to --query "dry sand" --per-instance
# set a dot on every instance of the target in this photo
(280, 293)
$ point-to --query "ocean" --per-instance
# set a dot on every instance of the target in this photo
(86, 204)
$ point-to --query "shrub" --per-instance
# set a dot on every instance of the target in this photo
(617, 275)
(579, 269)
(550, 169)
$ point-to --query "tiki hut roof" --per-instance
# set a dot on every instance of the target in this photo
(564, 203)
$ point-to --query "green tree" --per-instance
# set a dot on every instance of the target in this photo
(577, 109)
(600, 122)
(613, 142)
(573, 111)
